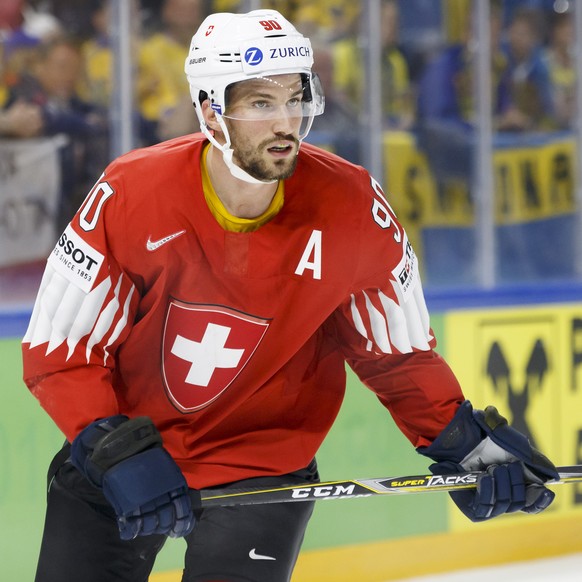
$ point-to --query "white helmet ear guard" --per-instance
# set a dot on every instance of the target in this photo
(230, 48)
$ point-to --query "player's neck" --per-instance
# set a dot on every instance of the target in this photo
(242, 199)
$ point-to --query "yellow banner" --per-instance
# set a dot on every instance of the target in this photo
(535, 182)
(531, 183)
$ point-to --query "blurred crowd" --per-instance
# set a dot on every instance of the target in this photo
(56, 71)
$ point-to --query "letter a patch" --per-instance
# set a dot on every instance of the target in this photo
(311, 258)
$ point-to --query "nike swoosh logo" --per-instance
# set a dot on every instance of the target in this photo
(254, 556)
(154, 245)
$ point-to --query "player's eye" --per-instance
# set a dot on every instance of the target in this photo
(261, 104)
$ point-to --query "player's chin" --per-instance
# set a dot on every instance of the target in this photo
(283, 169)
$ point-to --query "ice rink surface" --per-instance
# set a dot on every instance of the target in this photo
(562, 569)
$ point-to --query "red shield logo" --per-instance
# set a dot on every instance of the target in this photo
(205, 347)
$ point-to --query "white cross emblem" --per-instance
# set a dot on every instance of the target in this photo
(206, 355)
(205, 348)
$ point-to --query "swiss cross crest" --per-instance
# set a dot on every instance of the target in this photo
(205, 347)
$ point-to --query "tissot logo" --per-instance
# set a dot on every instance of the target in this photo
(76, 254)
(205, 347)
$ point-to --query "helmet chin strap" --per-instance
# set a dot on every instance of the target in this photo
(237, 171)
(228, 152)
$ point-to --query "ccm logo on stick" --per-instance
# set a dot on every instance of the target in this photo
(324, 491)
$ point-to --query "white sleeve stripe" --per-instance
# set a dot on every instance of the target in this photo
(32, 325)
(104, 321)
(379, 326)
(38, 318)
(64, 317)
(64, 313)
(402, 327)
(415, 322)
(120, 324)
(86, 314)
(46, 306)
(397, 324)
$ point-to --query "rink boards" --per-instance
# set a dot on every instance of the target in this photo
(526, 360)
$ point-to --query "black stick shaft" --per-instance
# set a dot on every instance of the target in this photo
(359, 488)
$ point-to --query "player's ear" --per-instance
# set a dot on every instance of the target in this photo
(209, 115)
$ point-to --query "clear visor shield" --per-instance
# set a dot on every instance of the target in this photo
(294, 98)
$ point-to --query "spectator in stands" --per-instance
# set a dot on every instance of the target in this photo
(338, 129)
(97, 57)
(446, 87)
(20, 51)
(18, 45)
(52, 86)
(348, 61)
(397, 94)
(344, 17)
(327, 20)
(164, 99)
(98, 76)
(447, 106)
(307, 21)
(397, 101)
(526, 82)
(560, 60)
(20, 120)
(22, 29)
(74, 16)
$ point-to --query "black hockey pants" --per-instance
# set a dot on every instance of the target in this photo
(254, 543)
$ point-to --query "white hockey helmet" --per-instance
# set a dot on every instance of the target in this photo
(229, 48)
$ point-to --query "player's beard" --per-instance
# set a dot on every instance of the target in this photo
(252, 158)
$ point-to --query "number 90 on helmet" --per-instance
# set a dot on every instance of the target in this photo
(230, 48)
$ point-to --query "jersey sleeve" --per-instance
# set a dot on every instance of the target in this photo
(83, 311)
(384, 329)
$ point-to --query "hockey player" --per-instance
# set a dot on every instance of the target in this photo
(194, 321)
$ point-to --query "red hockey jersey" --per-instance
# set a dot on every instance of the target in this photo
(233, 343)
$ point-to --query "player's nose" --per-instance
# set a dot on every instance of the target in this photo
(285, 121)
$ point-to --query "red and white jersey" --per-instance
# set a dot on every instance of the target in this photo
(233, 343)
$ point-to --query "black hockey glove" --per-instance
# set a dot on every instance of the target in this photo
(515, 472)
(126, 460)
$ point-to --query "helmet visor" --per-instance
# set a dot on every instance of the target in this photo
(279, 96)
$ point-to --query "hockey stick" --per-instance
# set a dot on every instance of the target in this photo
(358, 488)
